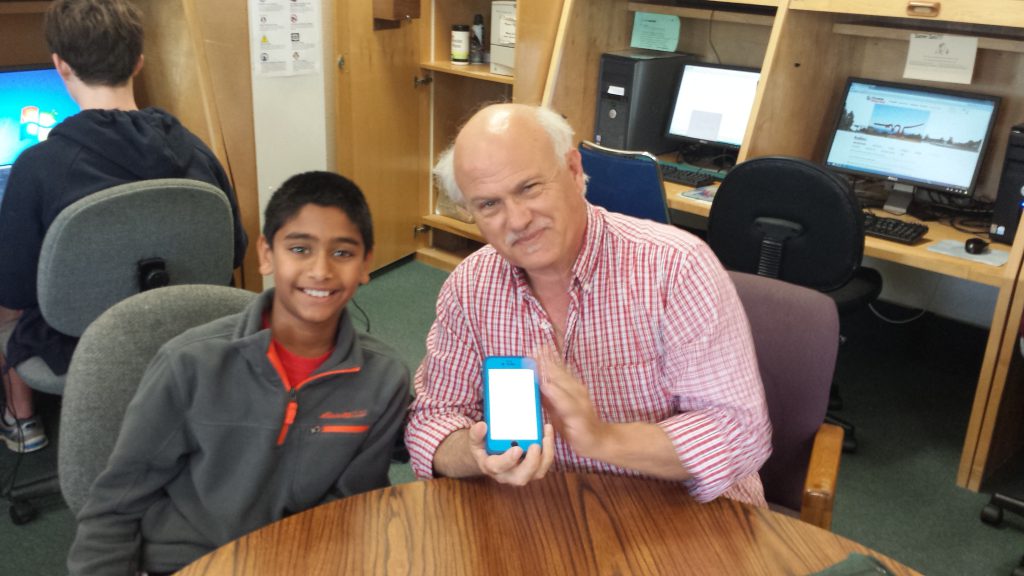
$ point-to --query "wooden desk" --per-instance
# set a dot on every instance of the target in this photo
(916, 256)
(565, 524)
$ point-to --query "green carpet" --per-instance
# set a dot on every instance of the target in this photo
(908, 388)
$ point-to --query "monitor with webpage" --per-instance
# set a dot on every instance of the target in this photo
(912, 136)
(712, 106)
(32, 101)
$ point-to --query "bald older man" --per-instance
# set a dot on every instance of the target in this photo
(647, 362)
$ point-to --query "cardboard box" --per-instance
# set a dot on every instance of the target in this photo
(503, 37)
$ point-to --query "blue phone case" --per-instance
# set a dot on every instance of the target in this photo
(509, 413)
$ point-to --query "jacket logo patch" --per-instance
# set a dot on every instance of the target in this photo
(343, 415)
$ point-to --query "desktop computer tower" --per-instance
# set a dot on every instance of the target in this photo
(1010, 194)
(634, 99)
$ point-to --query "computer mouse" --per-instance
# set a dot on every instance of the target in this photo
(975, 246)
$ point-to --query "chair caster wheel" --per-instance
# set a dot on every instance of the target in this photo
(992, 515)
(849, 445)
(22, 512)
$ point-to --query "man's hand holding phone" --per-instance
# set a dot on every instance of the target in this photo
(512, 445)
(514, 466)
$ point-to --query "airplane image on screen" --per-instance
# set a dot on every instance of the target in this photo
(897, 129)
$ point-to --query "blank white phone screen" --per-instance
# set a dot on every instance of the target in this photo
(513, 404)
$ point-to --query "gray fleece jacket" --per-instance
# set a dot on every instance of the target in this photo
(208, 450)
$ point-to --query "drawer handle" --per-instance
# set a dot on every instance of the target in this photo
(926, 9)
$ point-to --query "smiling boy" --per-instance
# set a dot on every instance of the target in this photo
(258, 415)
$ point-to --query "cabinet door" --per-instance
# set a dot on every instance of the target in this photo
(378, 120)
(994, 12)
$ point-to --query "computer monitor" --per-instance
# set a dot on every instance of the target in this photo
(712, 104)
(32, 101)
(912, 136)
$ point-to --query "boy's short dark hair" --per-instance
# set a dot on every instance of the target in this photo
(323, 189)
(100, 39)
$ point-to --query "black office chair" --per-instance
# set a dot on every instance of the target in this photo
(794, 220)
(624, 181)
(113, 244)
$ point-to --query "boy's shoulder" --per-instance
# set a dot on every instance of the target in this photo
(377, 351)
(382, 364)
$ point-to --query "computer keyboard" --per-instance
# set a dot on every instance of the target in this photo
(893, 229)
(686, 176)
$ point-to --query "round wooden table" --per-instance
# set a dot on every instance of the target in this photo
(564, 524)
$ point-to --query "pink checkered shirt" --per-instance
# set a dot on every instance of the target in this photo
(655, 331)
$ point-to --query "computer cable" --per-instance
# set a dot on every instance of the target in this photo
(366, 317)
(7, 483)
(970, 226)
(711, 43)
(916, 316)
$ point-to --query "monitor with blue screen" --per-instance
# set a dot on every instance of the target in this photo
(32, 101)
(912, 136)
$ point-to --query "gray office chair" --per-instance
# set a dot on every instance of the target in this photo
(796, 337)
(794, 220)
(108, 364)
(625, 181)
(111, 245)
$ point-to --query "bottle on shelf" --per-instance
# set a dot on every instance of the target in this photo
(476, 40)
(460, 44)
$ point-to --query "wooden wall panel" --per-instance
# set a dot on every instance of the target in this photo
(197, 68)
(22, 34)
(536, 25)
(595, 27)
(225, 41)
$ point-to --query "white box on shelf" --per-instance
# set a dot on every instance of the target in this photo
(503, 37)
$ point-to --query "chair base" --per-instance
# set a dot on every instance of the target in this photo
(992, 513)
(22, 511)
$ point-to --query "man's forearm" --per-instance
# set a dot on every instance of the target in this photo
(639, 446)
(453, 458)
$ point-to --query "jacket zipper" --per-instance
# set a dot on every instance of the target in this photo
(292, 409)
(289, 417)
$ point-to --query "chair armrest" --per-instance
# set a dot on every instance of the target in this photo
(820, 485)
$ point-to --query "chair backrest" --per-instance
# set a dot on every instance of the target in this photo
(108, 365)
(788, 218)
(91, 255)
(625, 181)
(109, 245)
(796, 336)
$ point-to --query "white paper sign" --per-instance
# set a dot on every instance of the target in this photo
(941, 58)
(285, 37)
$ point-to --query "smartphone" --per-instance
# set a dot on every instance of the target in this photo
(511, 403)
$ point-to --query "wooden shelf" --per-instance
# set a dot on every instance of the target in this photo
(478, 71)
(453, 226)
(705, 14)
(888, 33)
(441, 259)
